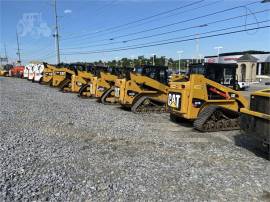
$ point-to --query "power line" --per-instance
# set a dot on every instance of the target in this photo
(136, 21)
(198, 26)
(173, 31)
(166, 43)
(117, 30)
(183, 21)
(218, 30)
(182, 12)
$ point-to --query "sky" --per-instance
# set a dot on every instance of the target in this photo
(89, 26)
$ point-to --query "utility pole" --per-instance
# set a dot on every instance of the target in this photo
(56, 35)
(6, 52)
(18, 49)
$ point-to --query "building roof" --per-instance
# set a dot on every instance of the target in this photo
(240, 53)
(267, 59)
(247, 58)
(245, 52)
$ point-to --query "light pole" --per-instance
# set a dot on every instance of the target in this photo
(218, 50)
(179, 65)
(153, 59)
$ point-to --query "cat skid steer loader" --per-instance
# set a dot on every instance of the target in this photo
(62, 76)
(86, 90)
(204, 98)
(108, 96)
(255, 120)
(81, 77)
(145, 90)
(47, 74)
(106, 80)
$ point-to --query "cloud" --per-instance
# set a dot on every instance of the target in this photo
(67, 11)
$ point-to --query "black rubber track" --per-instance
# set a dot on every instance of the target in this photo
(84, 86)
(105, 95)
(64, 84)
(206, 114)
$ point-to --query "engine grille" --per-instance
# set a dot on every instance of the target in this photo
(260, 104)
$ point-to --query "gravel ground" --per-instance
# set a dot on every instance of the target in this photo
(58, 147)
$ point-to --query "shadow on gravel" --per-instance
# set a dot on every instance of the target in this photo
(249, 143)
(182, 122)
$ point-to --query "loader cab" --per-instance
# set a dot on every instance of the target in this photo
(121, 72)
(97, 69)
(158, 73)
(224, 74)
(114, 70)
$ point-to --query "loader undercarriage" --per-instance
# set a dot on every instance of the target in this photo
(147, 105)
(64, 83)
(84, 91)
(108, 97)
(215, 118)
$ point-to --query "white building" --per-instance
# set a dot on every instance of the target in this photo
(252, 65)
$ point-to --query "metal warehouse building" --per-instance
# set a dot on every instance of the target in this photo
(252, 65)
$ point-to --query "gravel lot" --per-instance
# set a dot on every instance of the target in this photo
(56, 146)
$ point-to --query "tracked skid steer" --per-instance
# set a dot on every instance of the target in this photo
(145, 90)
(104, 82)
(108, 95)
(62, 76)
(86, 90)
(81, 77)
(47, 74)
(204, 99)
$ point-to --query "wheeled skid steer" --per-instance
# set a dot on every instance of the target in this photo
(202, 99)
(145, 90)
(255, 120)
